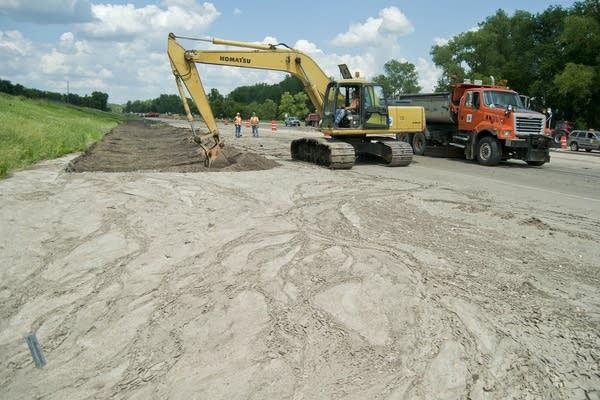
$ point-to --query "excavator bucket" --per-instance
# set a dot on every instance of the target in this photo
(211, 151)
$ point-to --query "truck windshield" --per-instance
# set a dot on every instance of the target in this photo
(493, 98)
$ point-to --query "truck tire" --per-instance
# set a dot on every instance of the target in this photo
(489, 151)
(419, 143)
(557, 135)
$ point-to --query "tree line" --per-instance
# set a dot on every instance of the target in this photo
(553, 57)
(273, 101)
(98, 100)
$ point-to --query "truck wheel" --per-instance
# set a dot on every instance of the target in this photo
(489, 151)
(418, 143)
(557, 135)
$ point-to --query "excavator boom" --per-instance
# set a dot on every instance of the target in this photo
(294, 62)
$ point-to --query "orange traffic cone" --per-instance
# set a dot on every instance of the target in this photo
(273, 125)
(563, 142)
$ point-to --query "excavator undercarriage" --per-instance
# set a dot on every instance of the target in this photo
(341, 152)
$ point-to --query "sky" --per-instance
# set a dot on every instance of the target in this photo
(119, 47)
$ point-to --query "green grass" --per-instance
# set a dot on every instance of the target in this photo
(36, 130)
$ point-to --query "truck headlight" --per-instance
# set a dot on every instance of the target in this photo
(507, 134)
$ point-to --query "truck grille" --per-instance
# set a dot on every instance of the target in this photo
(527, 124)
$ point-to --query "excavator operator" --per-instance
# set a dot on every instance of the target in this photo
(353, 107)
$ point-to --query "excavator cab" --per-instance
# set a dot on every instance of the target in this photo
(371, 112)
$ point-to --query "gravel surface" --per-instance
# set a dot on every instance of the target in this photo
(275, 279)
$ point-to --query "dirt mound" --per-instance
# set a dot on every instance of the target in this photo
(150, 146)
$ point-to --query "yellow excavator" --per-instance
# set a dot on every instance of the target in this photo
(373, 130)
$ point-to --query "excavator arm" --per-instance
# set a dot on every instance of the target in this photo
(263, 56)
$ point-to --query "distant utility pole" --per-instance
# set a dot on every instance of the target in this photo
(67, 91)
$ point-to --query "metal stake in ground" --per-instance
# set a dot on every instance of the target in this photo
(36, 351)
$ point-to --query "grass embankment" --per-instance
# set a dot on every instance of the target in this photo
(36, 130)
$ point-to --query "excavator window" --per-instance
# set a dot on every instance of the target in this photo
(374, 107)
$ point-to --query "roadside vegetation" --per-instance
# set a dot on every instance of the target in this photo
(36, 130)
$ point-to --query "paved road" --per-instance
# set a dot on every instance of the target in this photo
(571, 179)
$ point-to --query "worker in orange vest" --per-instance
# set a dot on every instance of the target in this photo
(254, 123)
(237, 121)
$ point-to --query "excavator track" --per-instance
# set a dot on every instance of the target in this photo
(330, 153)
(398, 153)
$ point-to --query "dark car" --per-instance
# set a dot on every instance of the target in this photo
(588, 140)
(292, 121)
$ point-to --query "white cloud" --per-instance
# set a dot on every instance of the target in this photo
(392, 22)
(54, 63)
(364, 63)
(270, 40)
(15, 53)
(440, 41)
(429, 74)
(12, 43)
(47, 11)
(377, 37)
(357, 34)
(123, 22)
(308, 47)
(69, 45)
(237, 11)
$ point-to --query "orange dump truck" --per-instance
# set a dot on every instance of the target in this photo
(489, 122)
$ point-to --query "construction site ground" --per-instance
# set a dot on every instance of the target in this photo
(145, 275)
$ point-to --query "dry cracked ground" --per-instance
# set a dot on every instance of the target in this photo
(274, 279)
